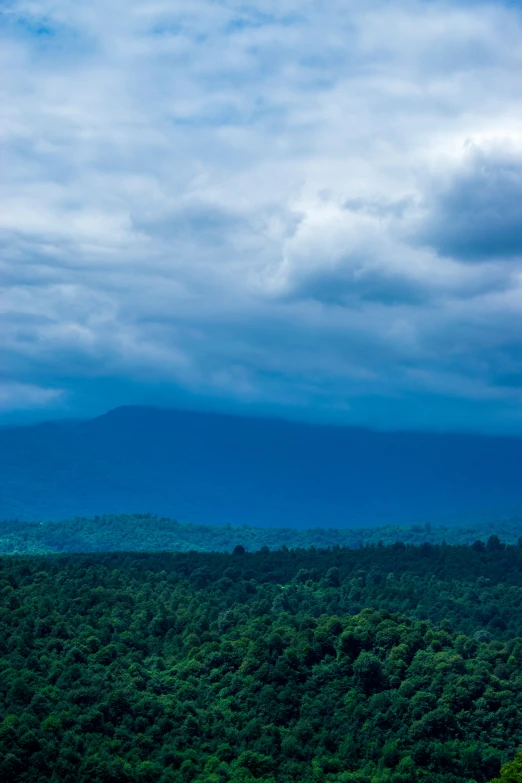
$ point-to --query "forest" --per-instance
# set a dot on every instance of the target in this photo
(389, 663)
(148, 532)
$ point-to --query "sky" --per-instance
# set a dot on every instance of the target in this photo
(306, 209)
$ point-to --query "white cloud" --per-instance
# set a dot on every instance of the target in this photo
(238, 201)
(19, 396)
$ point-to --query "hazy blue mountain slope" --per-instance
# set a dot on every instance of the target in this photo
(217, 469)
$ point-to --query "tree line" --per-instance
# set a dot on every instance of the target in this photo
(140, 532)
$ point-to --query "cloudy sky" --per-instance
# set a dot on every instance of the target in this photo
(302, 208)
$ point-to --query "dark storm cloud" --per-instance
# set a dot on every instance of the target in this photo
(477, 214)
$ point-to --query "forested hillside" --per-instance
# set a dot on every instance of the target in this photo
(139, 532)
(387, 664)
(216, 469)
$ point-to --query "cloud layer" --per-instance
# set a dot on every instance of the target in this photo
(313, 211)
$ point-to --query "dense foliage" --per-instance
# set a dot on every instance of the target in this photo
(139, 532)
(388, 664)
(511, 772)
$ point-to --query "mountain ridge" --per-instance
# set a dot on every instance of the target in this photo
(216, 468)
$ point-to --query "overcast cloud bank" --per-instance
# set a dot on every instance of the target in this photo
(314, 211)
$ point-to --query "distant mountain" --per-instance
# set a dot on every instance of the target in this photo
(216, 469)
